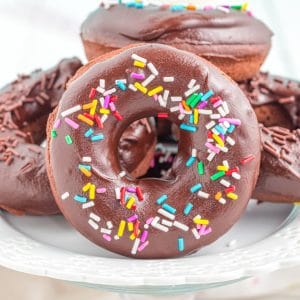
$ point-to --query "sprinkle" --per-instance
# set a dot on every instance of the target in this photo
(180, 244)
(217, 175)
(92, 93)
(93, 224)
(139, 193)
(196, 234)
(167, 223)
(168, 79)
(162, 115)
(102, 83)
(155, 91)
(235, 122)
(57, 124)
(86, 172)
(65, 195)
(195, 188)
(86, 187)
(138, 64)
(98, 137)
(211, 156)
(222, 168)
(166, 95)
(71, 110)
(79, 198)
(101, 190)
(192, 90)
(218, 140)
(53, 133)
(148, 80)
(196, 116)
(225, 183)
(176, 99)
(121, 228)
(230, 141)
(181, 226)
(68, 139)
(212, 147)
(109, 92)
(132, 218)
(152, 69)
(188, 208)
(95, 217)
(139, 58)
(161, 199)
(135, 246)
(236, 175)
(109, 225)
(88, 204)
(200, 221)
(190, 161)
(200, 168)
(130, 202)
(166, 214)
(122, 174)
(191, 83)
(139, 76)
(86, 159)
(207, 95)
(133, 88)
(92, 192)
(210, 125)
(158, 226)
(107, 237)
(140, 87)
(85, 120)
(104, 111)
(203, 195)
(187, 127)
(130, 226)
(232, 196)
(169, 208)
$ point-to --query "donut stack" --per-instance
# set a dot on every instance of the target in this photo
(177, 73)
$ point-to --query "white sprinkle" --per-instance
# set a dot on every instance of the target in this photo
(166, 95)
(101, 100)
(121, 80)
(158, 226)
(194, 152)
(215, 116)
(225, 107)
(232, 244)
(132, 87)
(210, 124)
(88, 204)
(152, 69)
(221, 111)
(109, 225)
(230, 141)
(105, 230)
(86, 159)
(161, 101)
(222, 201)
(100, 90)
(174, 108)
(181, 116)
(168, 79)
(109, 92)
(146, 226)
(93, 224)
(180, 226)
(148, 80)
(196, 233)
(191, 83)
(102, 83)
(192, 90)
(210, 141)
(225, 183)
(118, 193)
(225, 163)
(176, 99)
(223, 149)
(236, 176)
(122, 174)
(71, 110)
(223, 9)
(95, 217)
(65, 195)
(116, 237)
(205, 111)
(104, 118)
(211, 156)
(167, 223)
(135, 246)
(202, 194)
(166, 214)
(139, 58)
(215, 131)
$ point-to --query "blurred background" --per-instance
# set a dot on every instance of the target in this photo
(37, 34)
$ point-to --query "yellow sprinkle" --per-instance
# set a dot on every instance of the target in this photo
(92, 192)
(85, 120)
(200, 221)
(196, 116)
(104, 111)
(232, 196)
(132, 236)
(130, 226)
(94, 107)
(139, 64)
(86, 187)
(130, 202)
(244, 6)
(88, 105)
(86, 172)
(218, 140)
(155, 91)
(218, 196)
(140, 87)
(222, 168)
(121, 228)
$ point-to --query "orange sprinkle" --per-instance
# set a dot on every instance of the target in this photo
(86, 172)
(85, 120)
(185, 106)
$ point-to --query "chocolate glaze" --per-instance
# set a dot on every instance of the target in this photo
(275, 99)
(63, 159)
(24, 107)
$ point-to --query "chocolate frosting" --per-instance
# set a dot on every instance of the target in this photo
(119, 25)
(277, 95)
(67, 181)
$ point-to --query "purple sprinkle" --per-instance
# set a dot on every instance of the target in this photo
(106, 101)
(131, 189)
(202, 104)
(139, 76)
(132, 218)
(149, 221)
(236, 122)
(144, 236)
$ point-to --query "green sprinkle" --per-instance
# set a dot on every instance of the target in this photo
(68, 140)
(53, 133)
(217, 175)
(190, 99)
(200, 168)
(196, 100)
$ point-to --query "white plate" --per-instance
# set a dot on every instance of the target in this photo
(266, 238)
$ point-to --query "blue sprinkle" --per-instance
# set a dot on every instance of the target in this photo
(195, 188)
(177, 7)
(161, 199)
(139, 5)
(192, 118)
(121, 85)
(187, 127)
(169, 208)
(80, 199)
(188, 208)
(220, 129)
(207, 95)
(130, 4)
(97, 137)
(190, 161)
(180, 244)
(87, 167)
(231, 128)
(89, 133)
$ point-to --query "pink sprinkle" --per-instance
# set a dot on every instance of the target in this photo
(130, 189)
(112, 106)
(208, 7)
(202, 104)
(212, 147)
(144, 236)
(101, 190)
(181, 109)
(230, 121)
(155, 97)
(132, 218)
(57, 123)
(207, 231)
(107, 237)
(218, 103)
(143, 246)
(139, 76)
(222, 137)
(71, 123)
(106, 101)
(202, 229)
(149, 221)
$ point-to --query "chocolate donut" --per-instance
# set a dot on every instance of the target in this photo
(229, 37)
(153, 218)
(275, 99)
(24, 108)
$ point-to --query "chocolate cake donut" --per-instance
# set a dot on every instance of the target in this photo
(227, 36)
(153, 218)
(275, 99)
